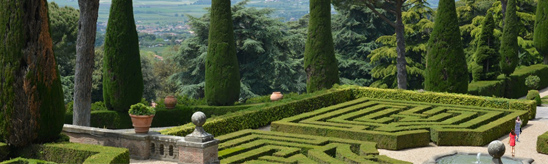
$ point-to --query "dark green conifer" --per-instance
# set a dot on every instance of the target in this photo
(486, 56)
(122, 76)
(222, 85)
(446, 69)
(541, 29)
(31, 96)
(509, 44)
(319, 57)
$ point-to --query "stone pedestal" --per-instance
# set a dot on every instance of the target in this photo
(193, 152)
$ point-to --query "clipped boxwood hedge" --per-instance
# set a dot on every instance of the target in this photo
(542, 143)
(487, 88)
(164, 117)
(516, 82)
(4, 151)
(448, 98)
(262, 115)
(76, 153)
(20, 160)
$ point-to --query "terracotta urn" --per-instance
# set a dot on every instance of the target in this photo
(141, 123)
(276, 96)
(170, 102)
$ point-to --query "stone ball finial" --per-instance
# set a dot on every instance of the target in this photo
(199, 118)
(496, 149)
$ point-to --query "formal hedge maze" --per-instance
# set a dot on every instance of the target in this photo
(255, 146)
(397, 125)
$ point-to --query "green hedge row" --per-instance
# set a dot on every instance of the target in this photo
(353, 119)
(542, 143)
(180, 115)
(76, 153)
(262, 115)
(20, 160)
(487, 88)
(513, 86)
(447, 98)
(516, 83)
(267, 146)
(4, 151)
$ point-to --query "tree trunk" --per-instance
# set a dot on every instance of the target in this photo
(503, 11)
(400, 39)
(85, 52)
(545, 60)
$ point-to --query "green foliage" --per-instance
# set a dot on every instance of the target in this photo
(486, 57)
(516, 82)
(541, 29)
(255, 146)
(534, 95)
(509, 43)
(151, 83)
(392, 123)
(122, 76)
(264, 45)
(222, 76)
(542, 143)
(20, 160)
(445, 62)
(31, 95)
(162, 118)
(320, 63)
(76, 153)
(141, 109)
(261, 115)
(418, 25)
(97, 75)
(96, 106)
(532, 81)
(487, 88)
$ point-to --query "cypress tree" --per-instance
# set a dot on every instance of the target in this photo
(31, 96)
(222, 78)
(319, 56)
(122, 76)
(486, 56)
(509, 43)
(541, 29)
(446, 69)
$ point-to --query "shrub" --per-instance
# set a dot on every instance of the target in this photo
(532, 81)
(31, 95)
(534, 95)
(516, 81)
(20, 160)
(222, 76)
(486, 56)
(446, 69)
(320, 63)
(75, 153)
(487, 88)
(141, 109)
(542, 143)
(540, 37)
(122, 76)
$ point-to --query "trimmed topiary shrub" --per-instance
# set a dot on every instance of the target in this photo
(20, 160)
(516, 87)
(487, 88)
(486, 56)
(320, 63)
(141, 109)
(76, 153)
(534, 95)
(542, 143)
(222, 77)
(509, 43)
(446, 69)
(31, 95)
(540, 37)
(532, 81)
(122, 76)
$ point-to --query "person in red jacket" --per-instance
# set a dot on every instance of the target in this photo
(512, 141)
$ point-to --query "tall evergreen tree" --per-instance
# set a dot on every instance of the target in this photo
(446, 69)
(222, 77)
(31, 96)
(320, 63)
(509, 43)
(486, 56)
(541, 29)
(122, 76)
